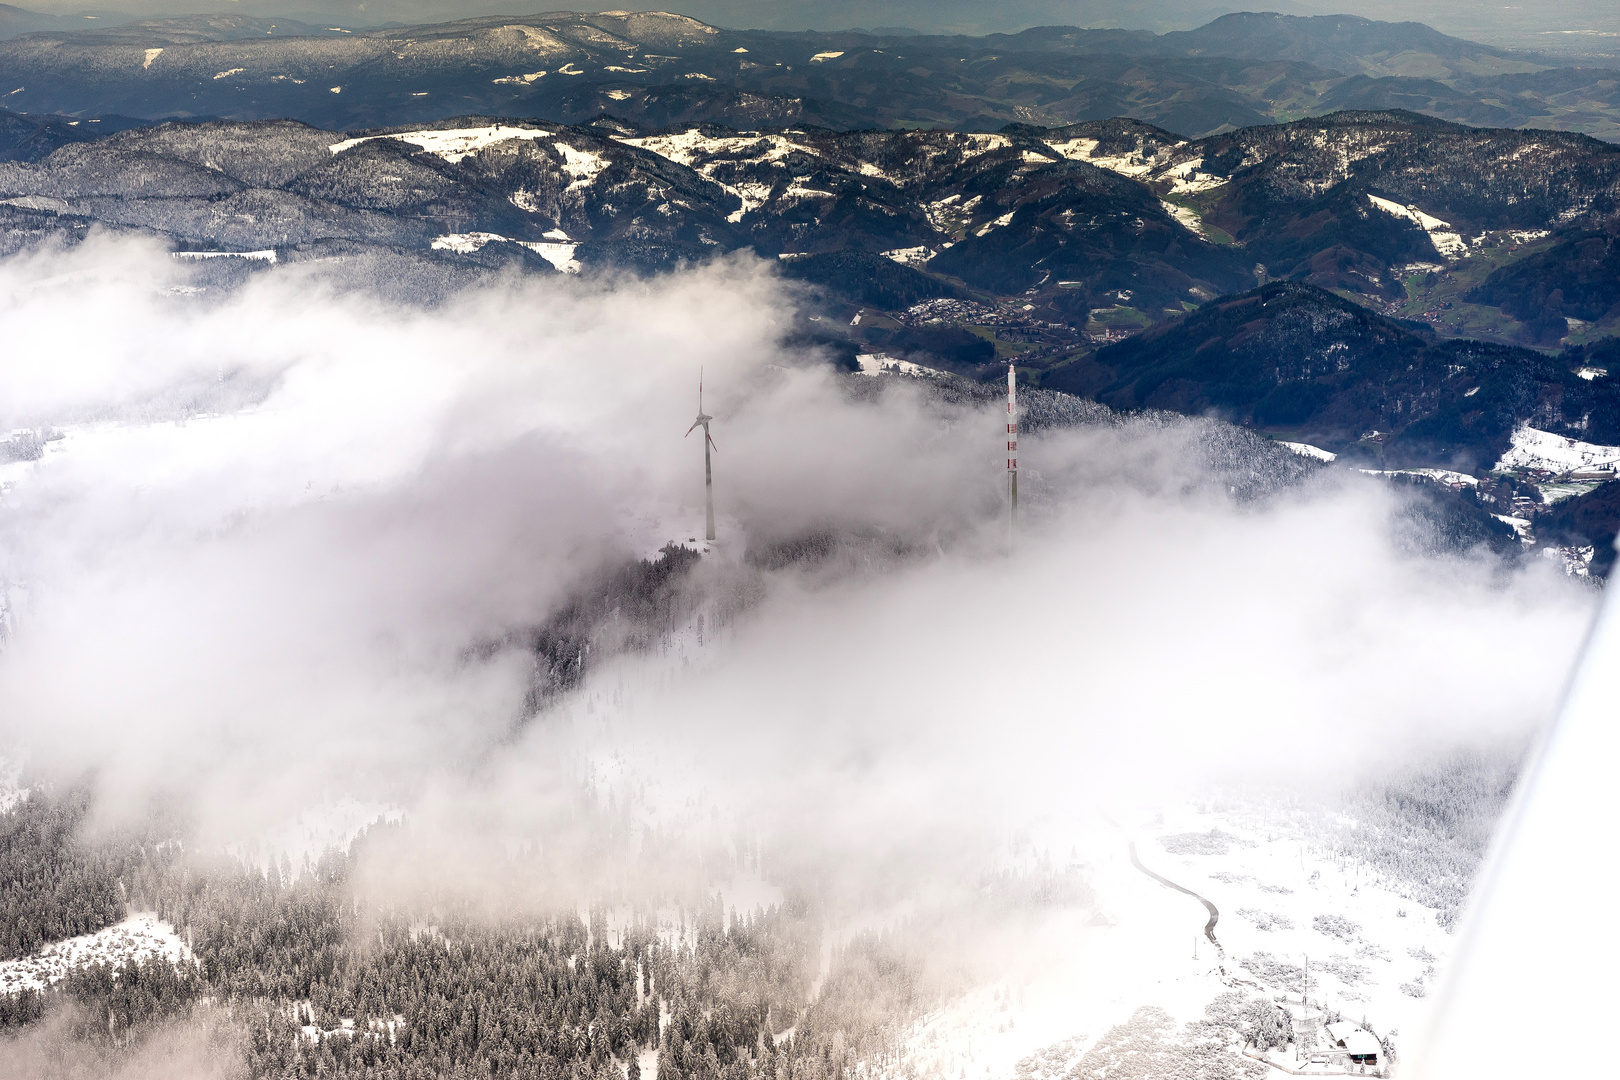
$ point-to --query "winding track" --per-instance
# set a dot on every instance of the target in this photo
(1214, 913)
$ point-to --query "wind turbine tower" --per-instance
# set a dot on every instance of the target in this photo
(703, 419)
(1012, 453)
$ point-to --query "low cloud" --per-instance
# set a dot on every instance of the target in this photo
(292, 542)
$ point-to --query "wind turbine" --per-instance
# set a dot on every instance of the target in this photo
(703, 418)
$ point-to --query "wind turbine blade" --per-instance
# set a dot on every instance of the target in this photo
(706, 435)
(690, 429)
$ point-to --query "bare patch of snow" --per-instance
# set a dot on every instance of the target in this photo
(1186, 217)
(1520, 525)
(558, 254)
(1186, 179)
(996, 223)
(582, 165)
(1445, 476)
(141, 937)
(1307, 450)
(875, 364)
(1445, 239)
(1536, 449)
(910, 256)
(453, 144)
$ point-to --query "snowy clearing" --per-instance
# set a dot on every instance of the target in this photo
(453, 144)
(1446, 241)
(142, 936)
(1536, 449)
(558, 254)
(911, 256)
(1518, 524)
(1307, 450)
(1445, 476)
(1135, 165)
(1188, 219)
(878, 364)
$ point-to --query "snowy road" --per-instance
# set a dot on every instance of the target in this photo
(1214, 913)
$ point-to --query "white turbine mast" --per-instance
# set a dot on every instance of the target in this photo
(1012, 455)
(703, 419)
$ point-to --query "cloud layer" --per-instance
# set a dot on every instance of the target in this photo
(292, 540)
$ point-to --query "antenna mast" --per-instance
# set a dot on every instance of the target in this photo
(1012, 457)
(702, 420)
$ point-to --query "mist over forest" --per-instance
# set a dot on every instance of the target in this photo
(298, 562)
(1153, 476)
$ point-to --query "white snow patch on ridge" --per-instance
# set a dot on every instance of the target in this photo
(1536, 449)
(910, 256)
(1307, 450)
(1185, 177)
(582, 165)
(559, 254)
(708, 154)
(1188, 219)
(1444, 476)
(453, 144)
(142, 936)
(878, 364)
(1445, 239)
(1086, 150)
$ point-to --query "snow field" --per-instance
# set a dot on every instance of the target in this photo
(1307, 450)
(1372, 952)
(875, 364)
(1536, 449)
(452, 144)
(557, 253)
(1188, 219)
(1446, 241)
(139, 938)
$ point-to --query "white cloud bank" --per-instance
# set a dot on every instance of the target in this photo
(303, 590)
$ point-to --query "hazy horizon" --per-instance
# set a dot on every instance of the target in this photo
(1561, 24)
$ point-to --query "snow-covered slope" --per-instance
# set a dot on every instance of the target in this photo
(1536, 449)
(139, 938)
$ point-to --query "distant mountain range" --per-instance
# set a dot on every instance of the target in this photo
(1102, 228)
(1380, 283)
(652, 68)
